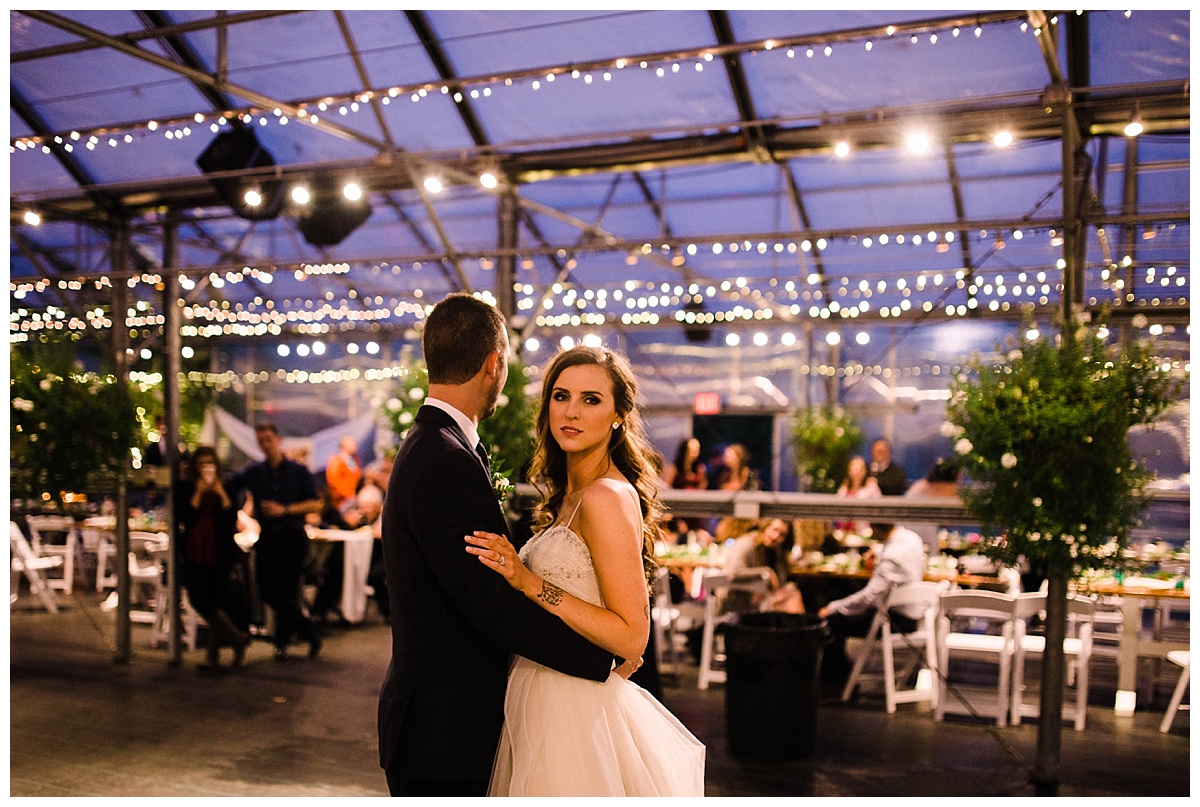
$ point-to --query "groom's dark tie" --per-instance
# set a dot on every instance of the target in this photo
(483, 456)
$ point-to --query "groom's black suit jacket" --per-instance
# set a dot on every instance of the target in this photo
(454, 621)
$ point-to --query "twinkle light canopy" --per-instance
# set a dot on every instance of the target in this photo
(665, 170)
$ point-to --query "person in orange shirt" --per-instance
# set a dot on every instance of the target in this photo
(343, 472)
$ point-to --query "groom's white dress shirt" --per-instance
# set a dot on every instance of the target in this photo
(462, 420)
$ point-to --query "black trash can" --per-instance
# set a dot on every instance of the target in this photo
(772, 682)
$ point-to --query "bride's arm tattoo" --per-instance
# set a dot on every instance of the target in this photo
(550, 593)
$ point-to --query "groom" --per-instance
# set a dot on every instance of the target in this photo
(454, 621)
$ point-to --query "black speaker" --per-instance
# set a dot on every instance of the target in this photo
(696, 333)
(237, 149)
(330, 217)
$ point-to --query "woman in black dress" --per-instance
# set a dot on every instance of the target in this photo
(208, 518)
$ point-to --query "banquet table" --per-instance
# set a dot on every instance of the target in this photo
(97, 537)
(136, 524)
(356, 565)
(1136, 594)
(840, 581)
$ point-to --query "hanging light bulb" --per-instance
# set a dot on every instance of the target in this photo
(842, 148)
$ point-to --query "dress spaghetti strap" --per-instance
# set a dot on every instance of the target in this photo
(573, 512)
(637, 502)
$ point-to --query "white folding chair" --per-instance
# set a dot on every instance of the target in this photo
(145, 573)
(41, 528)
(663, 618)
(25, 561)
(1077, 651)
(100, 543)
(920, 643)
(716, 587)
(147, 552)
(1184, 659)
(995, 624)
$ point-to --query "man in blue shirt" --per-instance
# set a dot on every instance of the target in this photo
(283, 492)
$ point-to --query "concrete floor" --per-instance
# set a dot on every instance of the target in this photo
(81, 725)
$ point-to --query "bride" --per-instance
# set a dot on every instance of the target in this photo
(589, 565)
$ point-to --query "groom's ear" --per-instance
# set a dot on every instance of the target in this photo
(493, 362)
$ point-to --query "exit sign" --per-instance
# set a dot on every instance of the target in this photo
(707, 403)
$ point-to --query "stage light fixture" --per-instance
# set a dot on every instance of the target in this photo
(331, 215)
(237, 150)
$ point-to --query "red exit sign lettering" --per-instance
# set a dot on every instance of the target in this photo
(707, 403)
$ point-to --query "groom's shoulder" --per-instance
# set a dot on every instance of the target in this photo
(430, 436)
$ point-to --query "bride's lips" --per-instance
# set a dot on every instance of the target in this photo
(570, 431)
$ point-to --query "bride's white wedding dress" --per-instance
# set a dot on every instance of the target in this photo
(567, 736)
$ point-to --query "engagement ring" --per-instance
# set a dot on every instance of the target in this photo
(501, 560)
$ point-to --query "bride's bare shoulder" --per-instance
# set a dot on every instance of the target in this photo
(608, 496)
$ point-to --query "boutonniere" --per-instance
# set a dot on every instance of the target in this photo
(501, 485)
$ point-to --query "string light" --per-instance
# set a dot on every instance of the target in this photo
(351, 104)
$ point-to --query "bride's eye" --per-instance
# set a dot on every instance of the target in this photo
(561, 396)
(591, 399)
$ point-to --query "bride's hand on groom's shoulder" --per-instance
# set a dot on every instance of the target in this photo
(499, 555)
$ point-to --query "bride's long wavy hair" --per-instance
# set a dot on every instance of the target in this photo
(628, 447)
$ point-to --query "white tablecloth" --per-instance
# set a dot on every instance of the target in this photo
(356, 565)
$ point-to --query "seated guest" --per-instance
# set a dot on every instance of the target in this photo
(370, 508)
(899, 559)
(343, 473)
(858, 484)
(327, 559)
(942, 480)
(765, 548)
(887, 474)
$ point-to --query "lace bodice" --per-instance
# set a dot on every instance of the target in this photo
(560, 556)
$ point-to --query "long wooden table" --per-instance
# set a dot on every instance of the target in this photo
(1134, 599)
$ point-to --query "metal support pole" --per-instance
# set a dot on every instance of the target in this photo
(120, 343)
(506, 264)
(889, 421)
(1072, 293)
(810, 358)
(171, 366)
(1129, 206)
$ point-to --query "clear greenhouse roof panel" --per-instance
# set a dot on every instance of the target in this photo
(822, 166)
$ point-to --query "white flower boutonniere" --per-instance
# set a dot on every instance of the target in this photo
(501, 486)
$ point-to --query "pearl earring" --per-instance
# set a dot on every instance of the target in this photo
(616, 426)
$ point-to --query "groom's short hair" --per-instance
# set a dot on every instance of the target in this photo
(460, 332)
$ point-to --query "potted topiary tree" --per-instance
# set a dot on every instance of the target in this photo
(70, 430)
(1042, 431)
